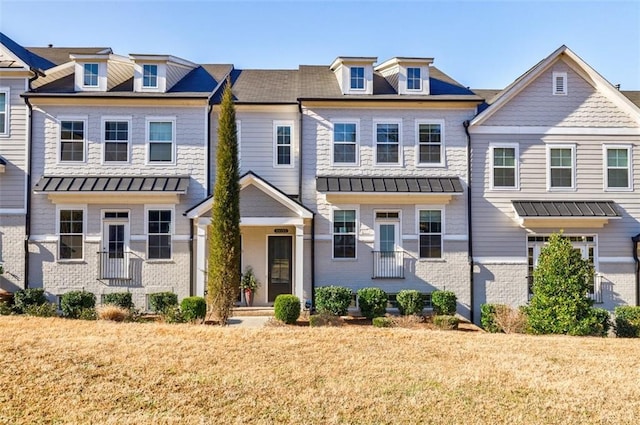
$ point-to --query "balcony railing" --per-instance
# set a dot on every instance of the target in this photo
(595, 289)
(388, 264)
(114, 265)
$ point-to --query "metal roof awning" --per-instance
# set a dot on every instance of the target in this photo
(565, 214)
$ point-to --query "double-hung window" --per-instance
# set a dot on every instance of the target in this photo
(4, 111)
(561, 171)
(345, 143)
(344, 234)
(90, 75)
(414, 80)
(72, 140)
(282, 144)
(357, 77)
(387, 143)
(430, 231)
(430, 143)
(150, 76)
(116, 140)
(617, 167)
(504, 166)
(70, 234)
(159, 234)
(160, 140)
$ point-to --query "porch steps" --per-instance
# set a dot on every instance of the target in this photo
(252, 311)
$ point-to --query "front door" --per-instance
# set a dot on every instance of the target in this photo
(114, 258)
(280, 266)
(388, 255)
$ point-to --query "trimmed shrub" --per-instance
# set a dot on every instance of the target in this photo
(161, 301)
(28, 297)
(446, 322)
(325, 319)
(120, 299)
(74, 303)
(488, 317)
(113, 313)
(410, 301)
(41, 310)
(333, 300)
(287, 308)
(193, 308)
(172, 314)
(444, 303)
(627, 323)
(597, 323)
(382, 322)
(372, 302)
(5, 308)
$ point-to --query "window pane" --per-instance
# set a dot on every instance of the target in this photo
(561, 177)
(413, 79)
(3, 112)
(91, 74)
(72, 151)
(344, 133)
(160, 151)
(160, 131)
(344, 246)
(430, 154)
(149, 75)
(344, 153)
(387, 153)
(617, 158)
(70, 247)
(561, 157)
(159, 234)
(357, 77)
(504, 177)
(284, 155)
(117, 152)
(430, 246)
(116, 130)
(504, 157)
(618, 177)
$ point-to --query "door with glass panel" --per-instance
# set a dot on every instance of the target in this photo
(388, 256)
(114, 257)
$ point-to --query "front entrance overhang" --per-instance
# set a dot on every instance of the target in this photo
(564, 214)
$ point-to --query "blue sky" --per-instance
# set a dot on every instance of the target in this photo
(482, 44)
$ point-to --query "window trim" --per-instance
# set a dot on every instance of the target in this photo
(554, 87)
(109, 118)
(65, 207)
(426, 207)
(7, 111)
(419, 89)
(374, 141)
(571, 146)
(84, 75)
(148, 121)
(364, 78)
(357, 148)
(172, 230)
(605, 167)
(516, 147)
(85, 144)
(156, 76)
(276, 125)
(335, 208)
(443, 160)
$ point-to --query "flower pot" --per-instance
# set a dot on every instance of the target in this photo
(248, 297)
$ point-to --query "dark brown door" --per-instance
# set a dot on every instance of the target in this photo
(280, 266)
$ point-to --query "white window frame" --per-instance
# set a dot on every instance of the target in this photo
(376, 122)
(335, 208)
(419, 79)
(84, 75)
(65, 207)
(516, 148)
(443, 160)
(85, 126)
(156, 75)
(554, 86)
(357, 148)
(7, 109)
(605, 167)
(573, 167)
(276, 125)
(364, 78)
(105, 119)
(148, 121)
(440, 208)
(172, 230)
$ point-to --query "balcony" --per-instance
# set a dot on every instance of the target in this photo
(595, 289)
(388, 264)
(114, 265)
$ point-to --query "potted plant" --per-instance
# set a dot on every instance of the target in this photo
(249, 283)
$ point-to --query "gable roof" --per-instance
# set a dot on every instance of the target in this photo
(580, 66)
(60, 55)
(264, 86)
(30, 59)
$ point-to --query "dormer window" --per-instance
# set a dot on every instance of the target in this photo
(560, 83)
(357, 78)
(414, 80)
(90, 75)
(150, 76)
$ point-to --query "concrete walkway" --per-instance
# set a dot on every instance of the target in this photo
(248, 321)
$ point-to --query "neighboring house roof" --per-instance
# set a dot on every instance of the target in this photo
(633, 96)
(565, 208)
(31, 59)
(487, 94)
(60, 55)
(265, 86)
(68, 184)
(389, 184)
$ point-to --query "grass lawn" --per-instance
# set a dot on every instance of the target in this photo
(63, 371)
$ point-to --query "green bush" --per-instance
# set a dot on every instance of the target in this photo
(333, 300)
(120, 299)
(28, 297)
(5, 308)
(161, 301)
(287, 308)
(73, 304)
(372, 302)
(325, 319)
(627, 323)
(444, 303)
(41, 310)
(410, 301)
(173, 314)
(446, 322)
(488, 317)
(382, 322)
(193, 308)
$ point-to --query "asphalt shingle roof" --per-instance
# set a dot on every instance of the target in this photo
(32, 59)
(60, 55)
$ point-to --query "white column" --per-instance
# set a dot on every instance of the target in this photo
(299, 262)
(201, 244)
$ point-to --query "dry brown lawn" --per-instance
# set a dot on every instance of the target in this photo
(62, 371)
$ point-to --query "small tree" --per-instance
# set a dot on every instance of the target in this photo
(561, 281)
(224, 230)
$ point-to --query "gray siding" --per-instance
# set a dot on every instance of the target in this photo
(256, 203)
(13, 148)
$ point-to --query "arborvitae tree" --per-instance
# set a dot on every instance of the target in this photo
(561, 281)
(223, 278)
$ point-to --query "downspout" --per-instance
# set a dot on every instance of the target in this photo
(313, 217)
(208, 160)
(636, 243)
(192, 283)
(469, 219)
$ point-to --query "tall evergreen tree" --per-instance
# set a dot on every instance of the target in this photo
(224, 231)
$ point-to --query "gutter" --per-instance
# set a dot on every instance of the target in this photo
(465, 124)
